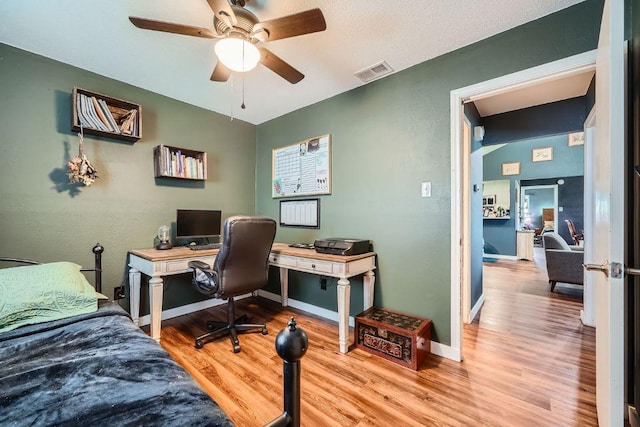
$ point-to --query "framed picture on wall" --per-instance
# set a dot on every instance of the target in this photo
(512, 168)
(542, 154)
(576, 138)
(489, 200)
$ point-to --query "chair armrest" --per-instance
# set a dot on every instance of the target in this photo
(201, 265)
(205, 280)
(577, 248)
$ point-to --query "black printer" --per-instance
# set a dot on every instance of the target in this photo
(341, 246)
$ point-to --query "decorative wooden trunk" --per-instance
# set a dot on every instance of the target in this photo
(398, 337)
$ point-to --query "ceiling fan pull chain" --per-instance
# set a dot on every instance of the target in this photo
(243, 106)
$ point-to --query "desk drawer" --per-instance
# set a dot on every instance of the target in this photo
(282, 260)
(175, 266)
(315, 266)
(182, 265)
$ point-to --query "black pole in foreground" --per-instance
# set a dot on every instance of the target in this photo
(291, 345)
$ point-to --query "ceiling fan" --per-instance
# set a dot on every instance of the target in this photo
(241, 35)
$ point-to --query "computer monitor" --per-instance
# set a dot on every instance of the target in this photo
(198, 225)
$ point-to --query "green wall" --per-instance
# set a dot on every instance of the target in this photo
(43, 218)
(390, 135)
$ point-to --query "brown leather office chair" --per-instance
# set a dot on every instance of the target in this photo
(574, 233)
(241, 267)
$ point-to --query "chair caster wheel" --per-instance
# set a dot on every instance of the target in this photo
(236, 349)
(264, 331)
(199, 344)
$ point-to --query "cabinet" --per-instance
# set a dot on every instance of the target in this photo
(524, 244)
(103, 115)
(179, 163)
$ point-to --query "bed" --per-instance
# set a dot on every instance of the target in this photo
(69, 358)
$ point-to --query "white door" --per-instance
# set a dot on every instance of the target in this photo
(608, 233)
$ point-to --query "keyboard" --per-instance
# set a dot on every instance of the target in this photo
(302, 245)
(205, 246)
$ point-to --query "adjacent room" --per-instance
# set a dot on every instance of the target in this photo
(251, 209)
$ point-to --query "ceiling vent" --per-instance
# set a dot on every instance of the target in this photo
(374, 72)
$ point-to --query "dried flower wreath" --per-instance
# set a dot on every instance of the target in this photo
(80, 168)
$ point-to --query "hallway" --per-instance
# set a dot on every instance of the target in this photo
(545, 353)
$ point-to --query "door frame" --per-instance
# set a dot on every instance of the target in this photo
(554, 187)
(466, 220)
(546, 72)
(588, 312)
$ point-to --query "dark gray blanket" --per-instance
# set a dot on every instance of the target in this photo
(96, 370)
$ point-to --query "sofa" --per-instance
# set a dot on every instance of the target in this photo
(564, 262)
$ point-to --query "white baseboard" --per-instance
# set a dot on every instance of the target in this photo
(476, 308)
(446, 351)
(436, 348)
(500, 256)
(309, 308)
(186, 309)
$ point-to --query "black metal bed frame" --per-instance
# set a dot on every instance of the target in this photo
(97, 266)
(291, 344)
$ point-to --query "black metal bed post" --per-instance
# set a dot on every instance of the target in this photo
(97, 265)
(291, 345)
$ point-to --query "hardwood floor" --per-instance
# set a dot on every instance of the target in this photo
(528, 362)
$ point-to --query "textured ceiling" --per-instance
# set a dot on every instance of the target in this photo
(97, 36)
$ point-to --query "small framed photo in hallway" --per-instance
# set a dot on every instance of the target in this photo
(512, 168)
(576, 138)
(542, 154)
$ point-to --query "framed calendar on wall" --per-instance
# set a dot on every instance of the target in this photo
(302, 169)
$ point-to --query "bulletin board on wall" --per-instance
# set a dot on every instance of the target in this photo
(302, 169)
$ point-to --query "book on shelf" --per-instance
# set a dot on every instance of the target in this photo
(128, 122)
(95, 113)
(86, 113)
(81, 117)
(107, 113)
(103, 119)
(174, 162)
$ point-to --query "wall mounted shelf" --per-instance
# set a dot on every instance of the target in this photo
(103, 115)
(179, 163)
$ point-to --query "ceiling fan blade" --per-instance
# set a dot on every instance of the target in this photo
(168, 27)
(223, 11)
(220, 73)
(278, 66)
(310, 21)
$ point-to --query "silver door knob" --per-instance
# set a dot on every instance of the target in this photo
(616, 269)
(598, 267)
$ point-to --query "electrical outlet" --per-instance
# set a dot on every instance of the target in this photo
(118, 293)
(323, 284)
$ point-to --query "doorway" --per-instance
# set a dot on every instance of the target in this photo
(548, 72)
(539, 207)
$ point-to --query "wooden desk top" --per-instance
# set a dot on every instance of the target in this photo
(177, 252)
(180, 252)
(285, 249)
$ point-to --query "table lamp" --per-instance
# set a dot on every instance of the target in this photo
(163, 236)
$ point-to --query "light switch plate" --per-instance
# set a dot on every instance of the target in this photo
(426, 189)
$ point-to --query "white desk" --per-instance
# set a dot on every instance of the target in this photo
(156, 264)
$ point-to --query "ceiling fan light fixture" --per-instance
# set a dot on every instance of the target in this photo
(237, 54)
